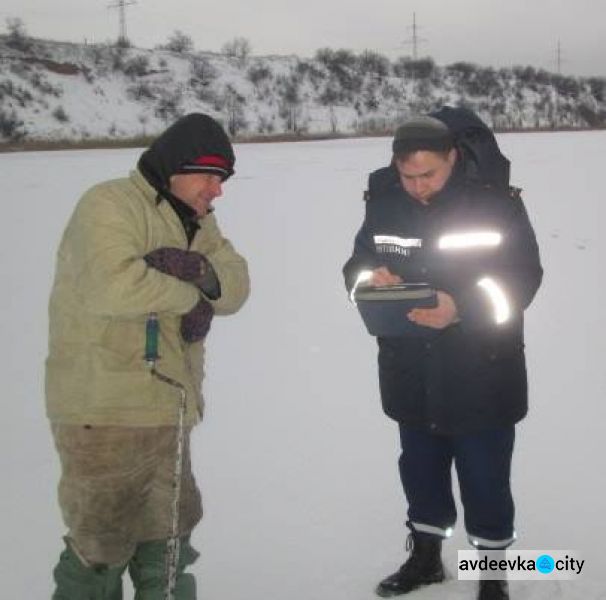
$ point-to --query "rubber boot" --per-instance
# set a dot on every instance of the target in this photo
(147, 569)
(78, 581)
(493, 589)
(423, 567)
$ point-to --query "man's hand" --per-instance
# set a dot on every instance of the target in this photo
(196, 323)
(186, 265)
(383, 276)
(183, 264)
(438, 318)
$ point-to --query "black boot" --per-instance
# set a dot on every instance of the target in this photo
(424, 566)
(493, 589)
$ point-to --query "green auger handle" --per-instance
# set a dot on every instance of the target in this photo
(152, 329)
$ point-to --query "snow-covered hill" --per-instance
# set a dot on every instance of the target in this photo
(55, 90)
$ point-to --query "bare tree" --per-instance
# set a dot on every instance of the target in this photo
(17, 35)
(290, 109)
(11, 127)
(238, 48)
(233, 106)
(334, 121)
(179, 42)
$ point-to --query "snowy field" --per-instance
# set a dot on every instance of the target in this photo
(296, 462)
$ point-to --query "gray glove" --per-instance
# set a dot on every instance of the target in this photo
(196, 323)
(186, 265)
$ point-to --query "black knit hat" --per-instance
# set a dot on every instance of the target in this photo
(194, 143)
(422, 133)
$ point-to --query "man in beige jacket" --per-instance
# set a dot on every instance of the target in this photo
(140, 250)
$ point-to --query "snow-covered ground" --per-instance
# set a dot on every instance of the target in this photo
(296, 462)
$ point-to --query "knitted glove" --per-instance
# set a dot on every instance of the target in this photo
(186, 265)
(183, 264)
(196, 323)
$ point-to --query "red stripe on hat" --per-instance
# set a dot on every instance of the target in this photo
(211, 160)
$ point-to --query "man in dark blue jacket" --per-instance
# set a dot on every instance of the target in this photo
(456, 383)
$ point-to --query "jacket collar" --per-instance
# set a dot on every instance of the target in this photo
(186, 215)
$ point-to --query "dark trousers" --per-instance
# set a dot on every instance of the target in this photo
(483, 464)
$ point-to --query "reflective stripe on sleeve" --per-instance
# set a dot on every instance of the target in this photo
(502, 309)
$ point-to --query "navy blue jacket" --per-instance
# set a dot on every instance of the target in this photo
(471, 375)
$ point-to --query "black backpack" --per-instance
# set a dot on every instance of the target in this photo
(478, 149)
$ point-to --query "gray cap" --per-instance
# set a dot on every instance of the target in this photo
(422, 133)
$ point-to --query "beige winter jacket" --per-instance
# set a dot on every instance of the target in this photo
(102, 294)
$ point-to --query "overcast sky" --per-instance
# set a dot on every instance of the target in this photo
(487, 32)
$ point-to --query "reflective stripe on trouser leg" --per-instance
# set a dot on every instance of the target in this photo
(483, 463)
(487, 544)
(430, 529)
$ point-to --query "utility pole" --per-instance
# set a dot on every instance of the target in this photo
(556, 102)
(559, 58)
(121, 6)
(415, 40)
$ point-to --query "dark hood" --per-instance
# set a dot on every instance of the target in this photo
(191, 136)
